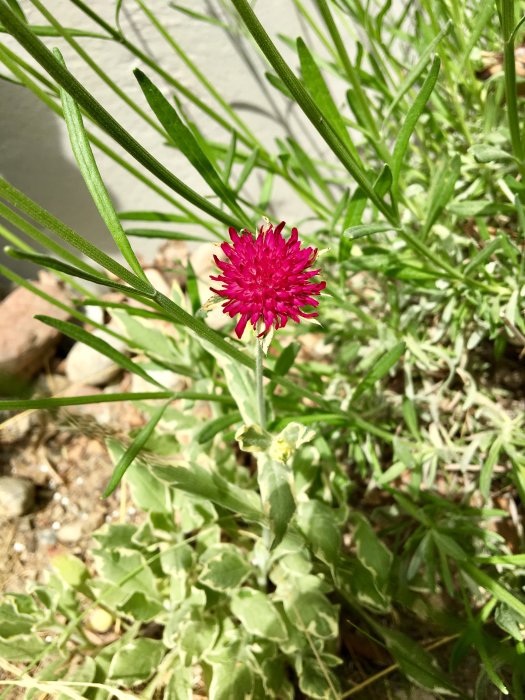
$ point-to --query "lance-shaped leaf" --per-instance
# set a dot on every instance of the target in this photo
(379, 370)
(98, 344)
(187, 143)
(411, 119)
(133, 450)
(91, 174)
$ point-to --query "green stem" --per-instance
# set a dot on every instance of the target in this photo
(259, 356)
(507, 28)
(309, 107)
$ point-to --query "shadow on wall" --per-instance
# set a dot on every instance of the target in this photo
(34, 159)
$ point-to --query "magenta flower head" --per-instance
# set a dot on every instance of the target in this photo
(266, 278)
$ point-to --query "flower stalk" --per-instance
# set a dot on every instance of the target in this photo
(259, 388)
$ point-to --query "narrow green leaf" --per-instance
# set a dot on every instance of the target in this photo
(497, 590)
(133, 450)
(59, 266)
(211, 486)
(318, 88)
(484, 254)
(162, 234)
(363, 230)
(59, 401)
(212, 427)
(43, 217)
(414, 73)
(152, 216)
(91, 174)
(15, 6)
(187, 143)
(247, 169)
(416, 663)
(411, 119)
(81, 335)
(379, 370)
(46, 30)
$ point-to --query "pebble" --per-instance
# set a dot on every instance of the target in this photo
(70, 533)
(17, 497)
(85, 366)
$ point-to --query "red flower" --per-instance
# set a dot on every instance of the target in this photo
(267, 278)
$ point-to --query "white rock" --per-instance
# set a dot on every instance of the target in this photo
(17, 497)
(84, 365)
(70, 533)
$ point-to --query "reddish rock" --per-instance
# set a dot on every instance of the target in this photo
(25, 343)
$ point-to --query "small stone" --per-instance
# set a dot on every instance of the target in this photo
(70, 533)
(18, 426)
(84, 365)
(99, 620)
(17, 497)
(46, 537)
(25, 343)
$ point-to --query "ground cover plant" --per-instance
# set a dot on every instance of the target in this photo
(333, 524)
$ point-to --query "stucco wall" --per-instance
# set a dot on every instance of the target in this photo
(34, 150)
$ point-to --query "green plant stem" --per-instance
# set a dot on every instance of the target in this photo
(507, 28)
(259, 386)
(353, 78)
(309, 107)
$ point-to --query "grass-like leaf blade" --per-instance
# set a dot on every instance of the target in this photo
(184, 139)
(379, 370)
(91, 174)
(411, 119)
(133, 450)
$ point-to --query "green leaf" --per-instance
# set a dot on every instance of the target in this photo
(82, 336)
(211, 486)
(136, 661)
(71, 570)
(91, 174)
(414, 73)
(416, 663)
(14, 5)
(413, 114)
(85, 672)
(485, 153)
(318, 88)
(132, 451)
(217, 425)
(371, 552)
(318, 524)
(52, 403)
(497, 589)
(312, 612)
(21, 647)
(224, 569)
(125, 573)
(59, 266)
(381, 368)
(187, 143)
(362, 230)
(147, 492)
(276, 495)
(231, 679)
(485, 476)
(253, 439)
(258, 615)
